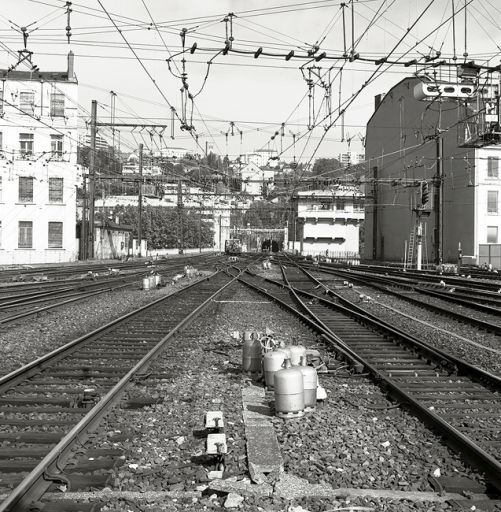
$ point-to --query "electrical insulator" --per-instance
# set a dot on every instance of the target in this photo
(425, 194)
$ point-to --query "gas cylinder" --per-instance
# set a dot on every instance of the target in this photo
(297, 351)
(272, 363)
(289, 392)
(310, 382)
(286, 349)
(248, 335)
(251, 356)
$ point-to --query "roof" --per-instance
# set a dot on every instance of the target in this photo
(113, 226)
(341, 191)
(49, 76)
(386, 95)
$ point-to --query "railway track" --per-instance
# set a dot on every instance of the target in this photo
(489, 319)
(23, 300)
(50, 406)
(42, 274)
(454, 398)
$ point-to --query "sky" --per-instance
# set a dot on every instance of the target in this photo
(123, 46)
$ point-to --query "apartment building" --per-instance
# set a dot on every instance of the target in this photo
(38, 165)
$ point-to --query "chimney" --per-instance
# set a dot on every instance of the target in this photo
(378, 99)
(71, 61)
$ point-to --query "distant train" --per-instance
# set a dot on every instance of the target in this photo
(233, 246)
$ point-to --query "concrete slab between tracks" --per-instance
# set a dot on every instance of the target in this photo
(292, 487)
(263, 451)
(289, 487)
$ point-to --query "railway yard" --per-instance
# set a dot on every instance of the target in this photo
(109, 390)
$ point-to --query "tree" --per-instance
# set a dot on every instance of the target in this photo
(160, 226)
(104, 161)
(263, 214)
(326, 168)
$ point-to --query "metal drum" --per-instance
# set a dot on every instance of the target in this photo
(289, 392)
(310, 382)
(251, 356)
(297, 352)
(272, 363)
(146, 283)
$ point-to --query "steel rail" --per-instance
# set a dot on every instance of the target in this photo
(488, 326)
(82, 296)
(456, 439)
(35, 484)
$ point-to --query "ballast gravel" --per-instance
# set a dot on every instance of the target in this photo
(387, 307)
(356, 439)
(34, 336)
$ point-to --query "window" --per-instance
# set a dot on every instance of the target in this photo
(340, 205)
(55, 235)
(492, 201)
(25, 240)
(25, 189)
(57, 104)
(492, 234)
(358, 205)
(493, 167)
(27, 102)
(56, 146)
(55, 190)
(26, 144)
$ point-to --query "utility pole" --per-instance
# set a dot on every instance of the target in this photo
(180, 217)
(140, 200)
(200, 229)
(438, 238)
(374, 215)
(83, 231)
(92, 179)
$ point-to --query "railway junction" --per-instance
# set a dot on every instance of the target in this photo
(150, 399)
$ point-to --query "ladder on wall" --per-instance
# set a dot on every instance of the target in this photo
(411, 249)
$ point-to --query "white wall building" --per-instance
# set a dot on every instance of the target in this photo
(261, 157)
(173, 152)
(38, 171)
(351, 158)
(254, 179)
(328, 222)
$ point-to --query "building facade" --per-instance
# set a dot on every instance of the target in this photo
(261, 157)
(38, 166)
(256, 180)
(350, 158)
(410, 142)
(328, 222)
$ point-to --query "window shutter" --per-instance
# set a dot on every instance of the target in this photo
(25, 240)
(55, 235)
(25, 189)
